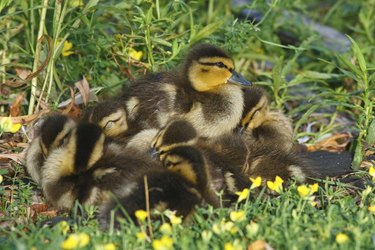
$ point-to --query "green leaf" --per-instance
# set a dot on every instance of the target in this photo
(370, 138)
(358, 55)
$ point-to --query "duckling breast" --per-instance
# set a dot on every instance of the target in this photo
(216, 113)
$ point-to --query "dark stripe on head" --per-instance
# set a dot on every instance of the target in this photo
(51, 127)
(191, 154)
(179, 131)
(252, 96)
(101, 110)
(87, 136)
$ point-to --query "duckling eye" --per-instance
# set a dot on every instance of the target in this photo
(62, 142)
(220, 65)
(109, 125)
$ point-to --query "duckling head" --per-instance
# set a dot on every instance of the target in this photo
(208, 67)
(110, 116)
(188, 162)
(80, 150)
(50, 133)
(255, 108)
(175, 133)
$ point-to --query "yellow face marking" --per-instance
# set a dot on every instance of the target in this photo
(206, 75)
(132, 106)
(97, 151)
(257, 115)
(182, 167)
(114, 124)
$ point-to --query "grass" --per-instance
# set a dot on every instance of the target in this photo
(325, 89)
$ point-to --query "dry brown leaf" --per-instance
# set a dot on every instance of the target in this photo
(15, 109)
(259, 245)
(19, 158)
(334, 143)
(23, 73)
(84, 89)
(25, 119)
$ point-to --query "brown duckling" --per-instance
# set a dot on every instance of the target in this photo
(261, 126)
(205, 92)
(49, 135)
(88, 167)
(180, 187)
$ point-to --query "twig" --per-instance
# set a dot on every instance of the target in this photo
(148, 206)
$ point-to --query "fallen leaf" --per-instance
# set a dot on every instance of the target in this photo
(22, 73)
(84, 89)
(334, 143)
(19, 158)
(15, 109)
(25, 119)
(259, 245)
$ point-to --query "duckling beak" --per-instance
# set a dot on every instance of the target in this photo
(238, 79)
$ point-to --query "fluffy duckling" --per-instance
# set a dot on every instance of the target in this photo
(179, 187)
(88, 167)
(112, 118)
(261, 126)
(49, 135)
(206, 92)
(225, 171)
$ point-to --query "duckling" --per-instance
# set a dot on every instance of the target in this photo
(206, 92)
(180, 187)
(262, 126)
(48, 135)
(224, 171)
(112, 117)
(88, 167)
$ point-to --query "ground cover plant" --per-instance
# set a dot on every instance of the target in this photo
(54, 52)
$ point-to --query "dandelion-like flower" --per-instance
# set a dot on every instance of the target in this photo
(252, 229)
(371, 172)
(166, 228)
(63, 227)
(237, 216)
(206, 235)
(76, 240)
(6, 125)
(371, 209)
(235, 245)
(173, 218)
(1, 178)
(341, 238)
(136, 55)
(66, 50)
(243, 194)
(276, 185)
(141, 215)
(141, 236)
(307, 191)
(255, 182)
(164, 243)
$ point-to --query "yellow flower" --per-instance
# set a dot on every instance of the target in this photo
(233, 246)
(74, 241)
(303, 191)
(1, 178)
(206, 236)
(371, 172)
(243, 194)
(66, 50)
(252, 228)
(141, 236)
(230, 227)
(341, 238)
(371, 209)
(314, 188)
(63, 226)
(166, 228)
(366, 192)
(141, 215)
(76, 3)
(108, 246)
(136, 55)
(237, 215)
(6, 125)
(175, 220)
(276, 185)
(256, 182)
(164, 243)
